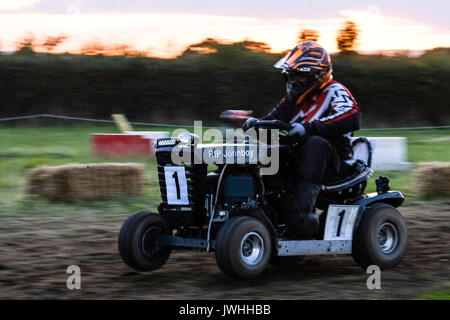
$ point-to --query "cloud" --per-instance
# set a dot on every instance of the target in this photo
(12, 5)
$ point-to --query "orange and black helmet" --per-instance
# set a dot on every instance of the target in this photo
(308, 59)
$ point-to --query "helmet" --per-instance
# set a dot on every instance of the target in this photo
(305, 68)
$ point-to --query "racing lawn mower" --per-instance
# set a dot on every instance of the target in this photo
(239, 213)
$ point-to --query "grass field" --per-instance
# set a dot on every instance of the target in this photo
(423, 146)
(36, 230)
(23, 148)
(439, 294)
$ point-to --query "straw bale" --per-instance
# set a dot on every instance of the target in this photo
(81, 182)
(433, 179)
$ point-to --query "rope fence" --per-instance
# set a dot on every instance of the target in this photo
(44, 115)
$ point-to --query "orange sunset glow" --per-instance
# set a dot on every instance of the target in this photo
(168, 34)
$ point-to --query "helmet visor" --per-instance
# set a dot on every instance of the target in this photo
(281, 64)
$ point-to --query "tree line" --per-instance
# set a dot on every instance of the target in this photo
(346, 42)
(212, 76)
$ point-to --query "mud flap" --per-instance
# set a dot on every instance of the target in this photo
(394, 198)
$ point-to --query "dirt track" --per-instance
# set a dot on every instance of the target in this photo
(35, 252)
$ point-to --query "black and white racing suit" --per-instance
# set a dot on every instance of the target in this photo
(329, 116)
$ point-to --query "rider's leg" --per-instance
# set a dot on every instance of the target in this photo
(304, 220)
(317, 161)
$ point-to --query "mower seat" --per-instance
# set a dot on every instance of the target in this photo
(353, 185)
(362, 150)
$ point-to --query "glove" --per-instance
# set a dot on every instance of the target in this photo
(250, 122)
(297, 130)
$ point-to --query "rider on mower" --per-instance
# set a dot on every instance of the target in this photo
(323, 115)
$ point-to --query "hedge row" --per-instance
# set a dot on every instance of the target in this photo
(391, 91)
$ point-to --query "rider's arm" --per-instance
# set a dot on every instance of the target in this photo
(285, 111)
(344, 117)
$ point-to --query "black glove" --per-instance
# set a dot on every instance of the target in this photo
(250, 122)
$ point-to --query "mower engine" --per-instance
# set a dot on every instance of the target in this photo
(238, 188)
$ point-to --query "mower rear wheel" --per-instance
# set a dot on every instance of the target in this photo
(381, 238)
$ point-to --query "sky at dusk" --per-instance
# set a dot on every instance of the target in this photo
(165, 28)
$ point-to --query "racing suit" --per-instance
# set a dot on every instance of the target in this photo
(329, 117)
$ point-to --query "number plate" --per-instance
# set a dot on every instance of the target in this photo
(176, 185)
(340, 222)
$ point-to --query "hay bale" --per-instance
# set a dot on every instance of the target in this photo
(433, 179)
(82, 182)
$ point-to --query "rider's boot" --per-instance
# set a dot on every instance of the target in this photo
(305, 221)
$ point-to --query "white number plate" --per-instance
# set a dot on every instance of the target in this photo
(340, 222)
(176, 185)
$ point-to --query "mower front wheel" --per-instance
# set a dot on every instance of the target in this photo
(243, 247)
(140, 241)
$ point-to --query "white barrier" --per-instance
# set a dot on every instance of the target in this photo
(153, 135)
(389, 153)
